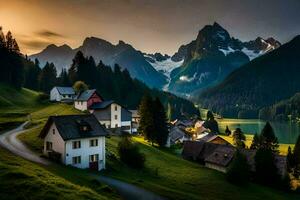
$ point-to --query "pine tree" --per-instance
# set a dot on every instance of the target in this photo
(47, 78)
(64, 78)
(2, 38)
(227, 131)
(297, 152)
(146, 126)
(255, 142)
(239, 170)
(76, 67)
(239, 138)
(268, 138)
(160, 123)
(266, 170)
(290, 159)
(9, 41)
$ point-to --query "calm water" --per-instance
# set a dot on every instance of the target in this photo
(286, 132)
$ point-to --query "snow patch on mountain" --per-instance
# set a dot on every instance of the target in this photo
(227, 51)
(165, 66)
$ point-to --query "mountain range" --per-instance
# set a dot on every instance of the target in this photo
(212, 56)
(202, 63)
(123, 54)
(261, 83)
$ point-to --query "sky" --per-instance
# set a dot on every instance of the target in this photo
(149, 25)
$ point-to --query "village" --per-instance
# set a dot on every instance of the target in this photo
(79, 140)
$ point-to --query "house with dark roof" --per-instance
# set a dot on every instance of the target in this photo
(214, 138)
(76, 140)
(85, 99)
(219, 156)
(113, 116)
(62, 94)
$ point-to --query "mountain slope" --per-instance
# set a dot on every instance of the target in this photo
(212, 56)
(262, 82)
(123, 54)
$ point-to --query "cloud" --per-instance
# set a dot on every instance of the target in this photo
(34, 44)
(48, 34)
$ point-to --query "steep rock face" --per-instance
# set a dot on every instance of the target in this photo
(260, 83)
(123, 54)
(211, 57)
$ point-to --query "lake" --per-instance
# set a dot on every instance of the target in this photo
(286, 132)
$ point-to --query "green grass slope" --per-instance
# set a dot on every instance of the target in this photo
(15, 104)
(176, 178)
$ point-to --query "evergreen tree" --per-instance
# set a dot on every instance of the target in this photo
(239, 138)
(2, 38)
(64, 78)
(239, 170)
(31, 74)
(211, 123)
(227, 131)
(146, 126)
(76, 67)
(255, 142)
(47, 78)
(290, 159)
(160, 123)
(297, 152)
(266, 170)
(9, 41)
(268, 138)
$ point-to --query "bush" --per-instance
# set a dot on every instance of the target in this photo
(129, 153)
(239, 171)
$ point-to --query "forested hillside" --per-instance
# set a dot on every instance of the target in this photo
(18, 71)
(262, 82)
(288, 109)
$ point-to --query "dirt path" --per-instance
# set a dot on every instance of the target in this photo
(127, 191)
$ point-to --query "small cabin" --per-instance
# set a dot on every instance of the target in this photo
(62, 94)
(87, 98)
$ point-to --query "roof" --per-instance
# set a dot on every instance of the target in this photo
(85, 95)
(176, 134)
(65, 90)
(101, 105)
(135, 113)
(198, 150)
(69, 126)
(221, 156)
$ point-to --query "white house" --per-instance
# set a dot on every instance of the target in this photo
(87, 98)
(112, 115)
(77, 140)
(62, 94)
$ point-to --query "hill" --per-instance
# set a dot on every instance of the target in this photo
(260, 83)
(288, 109)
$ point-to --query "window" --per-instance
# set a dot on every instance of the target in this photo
(48, 146)
(94, 158)
(116, 125)
(53, 131)
(93, 143)
(76, 144)
(76, 160)
(116, 108)
(116, 117)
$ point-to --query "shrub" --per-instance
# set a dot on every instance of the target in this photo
(239, 171)
(43, 97)
(129, 153)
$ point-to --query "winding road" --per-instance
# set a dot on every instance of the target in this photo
(127, 191)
